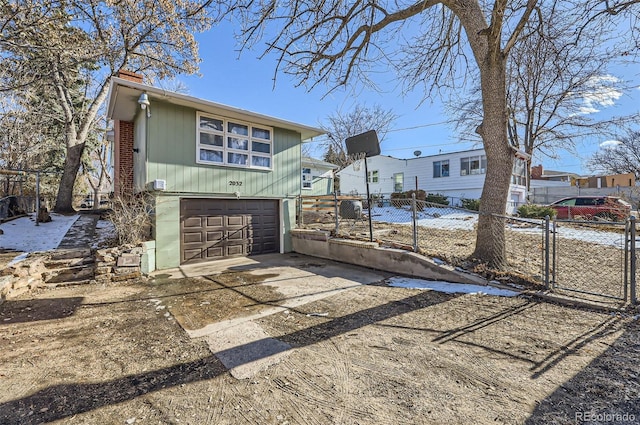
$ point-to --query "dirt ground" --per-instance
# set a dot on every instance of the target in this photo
(372, 354)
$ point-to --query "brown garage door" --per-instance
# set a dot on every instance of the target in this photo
(212, 229)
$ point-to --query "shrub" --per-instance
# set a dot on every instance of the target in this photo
(421, 195)
(131, 217)
(437, 198)
(397, 199)
(470, 204)
(535, 211)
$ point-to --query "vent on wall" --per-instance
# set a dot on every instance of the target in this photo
(159, 184)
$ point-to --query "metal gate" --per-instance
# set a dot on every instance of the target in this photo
(594, 259)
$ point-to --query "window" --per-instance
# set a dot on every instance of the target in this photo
(473, 165)
(589, 201)
(440, 168)
(568, 202)
(519, 174)
(372, 177)
(229, 142)
(306, 178)
(398, 182)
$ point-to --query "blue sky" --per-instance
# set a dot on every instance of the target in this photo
(246, 82)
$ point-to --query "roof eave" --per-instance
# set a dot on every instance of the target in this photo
(306, 132)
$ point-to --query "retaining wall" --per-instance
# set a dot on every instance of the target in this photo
(318, 243)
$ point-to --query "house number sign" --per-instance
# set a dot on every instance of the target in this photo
(235, 183)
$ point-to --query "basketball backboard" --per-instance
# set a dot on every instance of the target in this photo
(366, 142)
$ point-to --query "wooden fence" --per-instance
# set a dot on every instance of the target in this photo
(317, 205)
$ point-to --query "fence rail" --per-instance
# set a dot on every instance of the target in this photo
(587, 259)
(14, 205)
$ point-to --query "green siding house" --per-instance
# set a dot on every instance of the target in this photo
(224, 180)
(317, 177)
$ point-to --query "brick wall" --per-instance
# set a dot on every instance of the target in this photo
(123, 161)
(129, 75)
(536, 172)
(123, 155)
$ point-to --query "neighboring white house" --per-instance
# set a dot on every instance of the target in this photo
(317, 176)
(456, 175)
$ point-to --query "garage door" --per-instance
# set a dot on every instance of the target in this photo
(212, 229)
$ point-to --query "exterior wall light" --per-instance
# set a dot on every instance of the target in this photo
(144, 103)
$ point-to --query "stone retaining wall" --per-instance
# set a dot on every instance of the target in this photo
(71, 267)
(118, 264)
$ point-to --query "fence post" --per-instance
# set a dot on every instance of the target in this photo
(37, 198)
(554, 256)
(414, 214)
(336, 212)
(627, 258)
(547, 247)
(633, 261)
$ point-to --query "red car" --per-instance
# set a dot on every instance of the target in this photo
(609, 208)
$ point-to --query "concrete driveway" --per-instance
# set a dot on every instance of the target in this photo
(237, 340)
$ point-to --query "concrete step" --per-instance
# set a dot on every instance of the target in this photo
(68, 274)
(71, 262)
(71, 253)
(52, 285)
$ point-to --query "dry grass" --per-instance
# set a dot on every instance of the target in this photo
(579, 266)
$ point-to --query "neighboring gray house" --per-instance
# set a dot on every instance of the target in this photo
(317, 176)
(224, 180)
(456, 175)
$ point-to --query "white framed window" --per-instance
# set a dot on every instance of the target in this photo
(373, 176)
(307, 179)
(398, 182)
(519, 174)
(473, 165)
(441, 168)
(221, 141)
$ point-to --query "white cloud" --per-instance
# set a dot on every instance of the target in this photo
(601, 92)
(610, 144)
(584, 110)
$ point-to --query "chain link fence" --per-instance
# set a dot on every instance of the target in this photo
(449, 233)
(591, 259)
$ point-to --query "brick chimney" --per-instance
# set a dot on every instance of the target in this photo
(123, 157)
(123, 145)
(129, 75)
(536, 172)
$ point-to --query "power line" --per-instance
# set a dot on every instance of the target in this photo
(423, 146)
(418, 126)
(315, 140)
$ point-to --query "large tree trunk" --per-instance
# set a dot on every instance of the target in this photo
(64, 200)
(490, 242)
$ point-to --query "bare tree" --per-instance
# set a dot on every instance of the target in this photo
(556, 82)
(337, 42)
(82, 43)
(27, 140)
(628, 12)
(339, 126)
(618, 157)
(97, 169)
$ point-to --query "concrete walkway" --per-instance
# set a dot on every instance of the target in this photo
(82, 233)
(240, 343)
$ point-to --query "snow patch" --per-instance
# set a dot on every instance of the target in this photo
(449, 287)
(23, 235)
